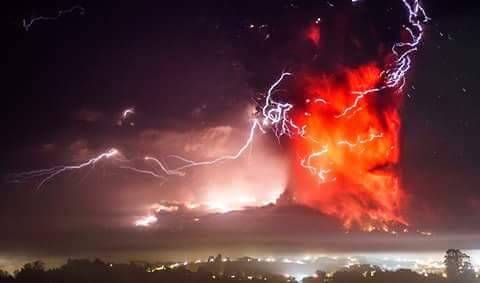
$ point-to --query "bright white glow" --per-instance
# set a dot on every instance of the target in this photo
(146, 221)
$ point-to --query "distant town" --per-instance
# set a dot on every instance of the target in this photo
(455, 266)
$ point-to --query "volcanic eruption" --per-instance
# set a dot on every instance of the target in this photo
(344, 164)
(346, 122)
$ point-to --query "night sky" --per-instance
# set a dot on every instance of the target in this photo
(192, 71)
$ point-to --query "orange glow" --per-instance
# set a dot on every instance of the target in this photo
(345, 166)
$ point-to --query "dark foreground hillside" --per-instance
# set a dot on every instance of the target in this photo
(458, 269)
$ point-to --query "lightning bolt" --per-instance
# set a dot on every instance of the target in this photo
(164, 167)
(275, 114)
(125, 114)
(395, 74)
(146, 172)
(190, 163)
(57, 170)
(307, 163)
(27, 24)
(361, 141)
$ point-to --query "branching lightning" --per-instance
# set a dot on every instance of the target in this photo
(394, 76)
(164, 168)
(51, 173)
(307, 163)
(179, 171)
(27, 24)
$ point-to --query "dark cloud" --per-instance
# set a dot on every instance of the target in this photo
(87, 115)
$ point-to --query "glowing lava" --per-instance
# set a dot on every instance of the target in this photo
(347, 162)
